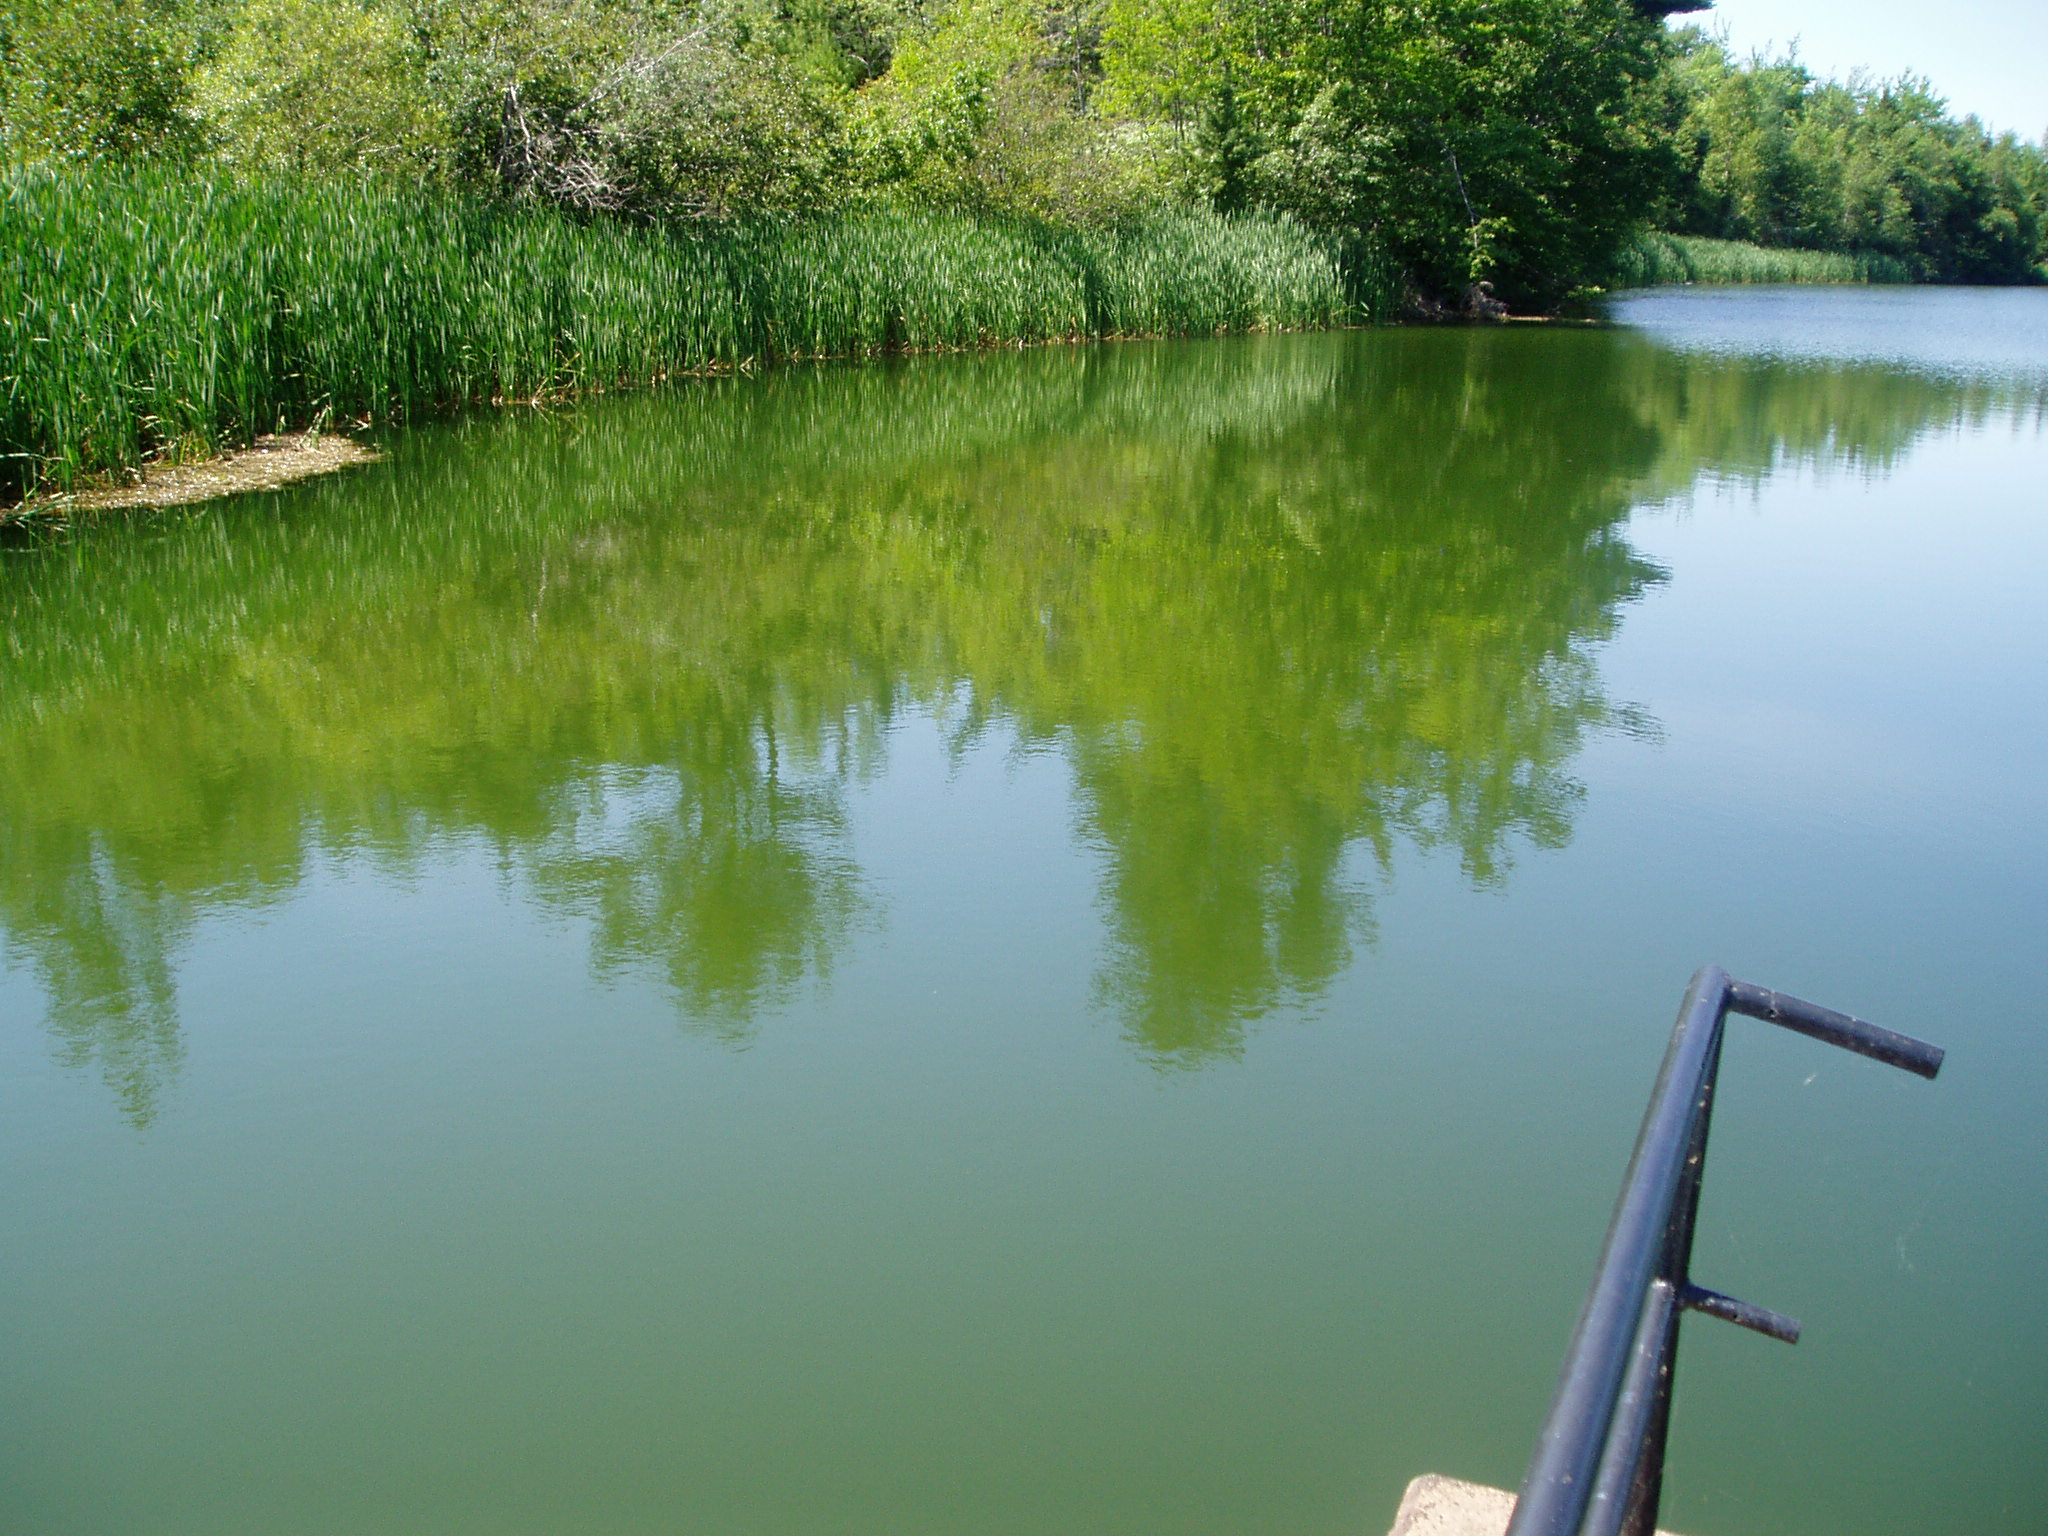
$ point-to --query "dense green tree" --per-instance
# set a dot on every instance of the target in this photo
(662, 109)
(309, 85)
(991, 106)
(1225, 151)
(99, 77)
(1502, 141)
(1772, 155)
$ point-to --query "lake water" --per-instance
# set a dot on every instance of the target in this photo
(1052, 942)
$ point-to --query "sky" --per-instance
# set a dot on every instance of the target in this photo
(1989, 57)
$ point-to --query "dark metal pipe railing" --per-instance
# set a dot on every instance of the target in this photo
(1599, 1463)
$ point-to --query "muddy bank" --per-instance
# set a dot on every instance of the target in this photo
(271, 461)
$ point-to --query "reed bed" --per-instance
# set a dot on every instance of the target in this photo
(146, 313)
(1659, 259)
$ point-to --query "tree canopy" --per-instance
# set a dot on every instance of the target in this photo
(1512, 147)
(1772, 154)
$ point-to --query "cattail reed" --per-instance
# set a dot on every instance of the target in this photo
(152, 312)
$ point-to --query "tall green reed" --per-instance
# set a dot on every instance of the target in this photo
(1658, 259)
(149, 311)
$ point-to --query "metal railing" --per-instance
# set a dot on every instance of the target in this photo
(1599, 1463)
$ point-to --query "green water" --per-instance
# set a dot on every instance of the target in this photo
(1063, 942)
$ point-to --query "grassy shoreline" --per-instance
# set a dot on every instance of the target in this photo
(151, 315)
(154, 318)
(1658, 260)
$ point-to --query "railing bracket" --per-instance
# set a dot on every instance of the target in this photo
(1599, 1463)
(1744, 1314)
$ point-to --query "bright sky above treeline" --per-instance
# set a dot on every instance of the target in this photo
(1988, 57)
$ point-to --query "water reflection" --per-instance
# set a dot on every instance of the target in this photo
(1283, 605)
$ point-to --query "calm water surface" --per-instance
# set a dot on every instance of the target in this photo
(1066, 942)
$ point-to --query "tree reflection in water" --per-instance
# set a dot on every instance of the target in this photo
(1283, 604)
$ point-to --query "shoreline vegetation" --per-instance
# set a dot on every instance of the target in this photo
(274, 460)
(221, 219)
(481, 305)
(195, 314)
(1658, 260)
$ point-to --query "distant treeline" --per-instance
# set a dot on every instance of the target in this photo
(1769, 154)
